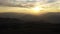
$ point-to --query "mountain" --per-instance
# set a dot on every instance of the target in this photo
(14, 23)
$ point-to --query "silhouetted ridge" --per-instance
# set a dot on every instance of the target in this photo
(52, 17)
(33, 25)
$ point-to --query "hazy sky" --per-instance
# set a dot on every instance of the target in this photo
(27, 0)
(4, 2)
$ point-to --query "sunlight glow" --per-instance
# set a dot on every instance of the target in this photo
(37, 9)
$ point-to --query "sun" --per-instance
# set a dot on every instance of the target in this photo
(37, 9)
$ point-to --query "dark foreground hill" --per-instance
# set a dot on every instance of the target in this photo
(13, 23)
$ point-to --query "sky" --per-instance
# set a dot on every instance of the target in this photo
(17, 2)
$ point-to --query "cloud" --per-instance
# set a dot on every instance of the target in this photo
(19, 3)
(49, 1)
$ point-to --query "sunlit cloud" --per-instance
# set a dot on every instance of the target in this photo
(33, 6)
(19, 2)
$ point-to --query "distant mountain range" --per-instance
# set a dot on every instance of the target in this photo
(51, 17)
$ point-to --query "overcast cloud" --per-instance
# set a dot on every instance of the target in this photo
(18, 2)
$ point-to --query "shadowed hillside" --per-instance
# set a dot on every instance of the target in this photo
(52, 17)
(22, 16)
(14, 23)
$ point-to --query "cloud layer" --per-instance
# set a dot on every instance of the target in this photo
(24, 2)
